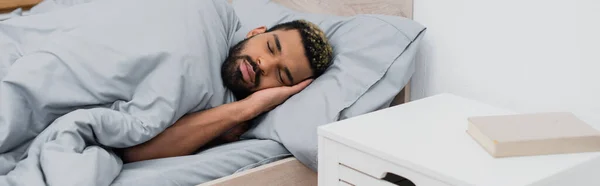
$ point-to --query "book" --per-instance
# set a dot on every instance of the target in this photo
(533, 134)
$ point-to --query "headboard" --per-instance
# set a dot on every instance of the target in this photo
(403, 8)
(10, 5)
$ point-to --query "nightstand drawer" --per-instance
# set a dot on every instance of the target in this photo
(343, 183)
(354, 177)
(384, 171)
(356, 167)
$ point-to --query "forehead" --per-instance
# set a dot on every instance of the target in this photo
(291, 43)
(293, 54)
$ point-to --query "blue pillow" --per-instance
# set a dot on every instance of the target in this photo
(373, 61)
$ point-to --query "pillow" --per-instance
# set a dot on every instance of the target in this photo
(373, 60)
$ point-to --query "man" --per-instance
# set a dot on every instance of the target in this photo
(262, 71)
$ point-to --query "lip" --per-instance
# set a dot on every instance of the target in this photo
(248, 73)
(245, 73)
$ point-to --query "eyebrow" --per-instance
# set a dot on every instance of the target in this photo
(277, 42)
(289, 75)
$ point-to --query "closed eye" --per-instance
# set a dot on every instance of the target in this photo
(281, 78)
(270, 49)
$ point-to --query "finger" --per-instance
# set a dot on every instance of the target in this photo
(300, 86)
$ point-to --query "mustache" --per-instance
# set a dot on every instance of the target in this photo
(257, 70)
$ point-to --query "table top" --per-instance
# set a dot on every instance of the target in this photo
(429, 136)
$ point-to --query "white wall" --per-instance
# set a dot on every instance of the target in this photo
(524, 55)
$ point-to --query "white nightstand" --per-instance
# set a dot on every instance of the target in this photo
(426, 142)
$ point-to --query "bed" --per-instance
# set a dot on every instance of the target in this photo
(285, 169)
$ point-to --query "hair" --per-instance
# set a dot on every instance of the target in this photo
(316, 45)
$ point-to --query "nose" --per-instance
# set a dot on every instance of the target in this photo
(266, 65)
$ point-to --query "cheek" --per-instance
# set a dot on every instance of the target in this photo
(233, 67)
(251, 51)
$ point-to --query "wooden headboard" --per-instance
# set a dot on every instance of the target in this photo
(10, 5)
(403, 8)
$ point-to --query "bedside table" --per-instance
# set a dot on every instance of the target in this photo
(425, 141)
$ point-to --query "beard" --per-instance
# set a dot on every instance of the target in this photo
(232, 76)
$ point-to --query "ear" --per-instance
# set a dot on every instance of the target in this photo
(256, 31)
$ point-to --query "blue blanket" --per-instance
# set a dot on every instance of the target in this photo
(79, 81)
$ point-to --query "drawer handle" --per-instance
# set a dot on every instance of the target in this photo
(397, 180)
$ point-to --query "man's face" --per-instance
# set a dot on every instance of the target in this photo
(266, 60)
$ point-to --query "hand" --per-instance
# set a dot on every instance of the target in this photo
(267, 99)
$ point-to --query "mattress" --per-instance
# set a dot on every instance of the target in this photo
(204, 166)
